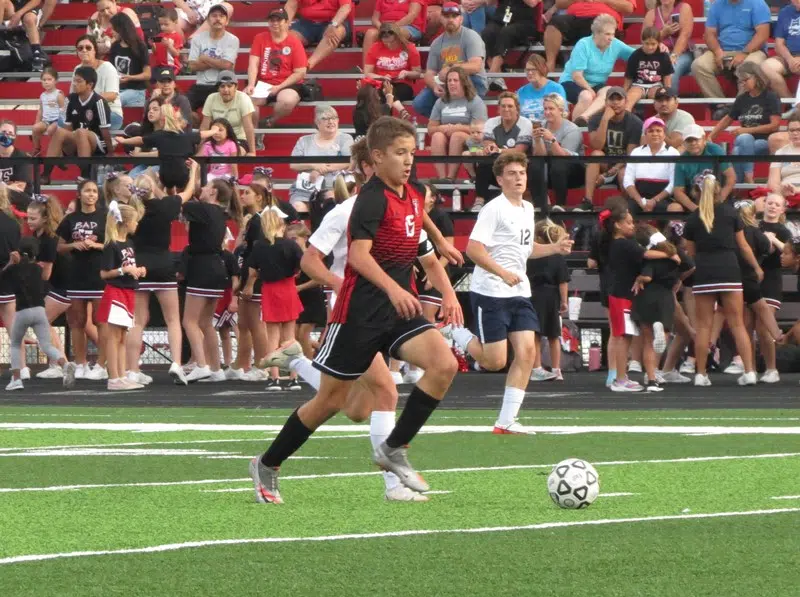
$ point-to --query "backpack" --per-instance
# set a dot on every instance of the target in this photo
(16, 54)
(571, 359)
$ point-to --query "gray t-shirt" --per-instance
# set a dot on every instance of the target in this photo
(521, 132)
(307, 146)
(226, 48)
(449, 49)
(569, 137)
(459, 111)
(679, 122)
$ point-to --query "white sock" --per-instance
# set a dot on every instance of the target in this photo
(381, 423)
(305, 369)
(512, 401)
(461, 338)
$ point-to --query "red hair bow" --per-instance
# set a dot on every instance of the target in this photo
(604, 215)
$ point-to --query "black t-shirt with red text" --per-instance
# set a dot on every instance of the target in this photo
(116, 255)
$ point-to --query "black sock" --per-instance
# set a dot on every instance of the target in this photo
(419, 408)
(293, 435)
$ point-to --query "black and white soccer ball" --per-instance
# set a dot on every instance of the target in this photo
(573, 484)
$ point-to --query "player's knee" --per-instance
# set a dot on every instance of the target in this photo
(493, 362)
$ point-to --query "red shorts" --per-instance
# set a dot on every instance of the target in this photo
(280, 301)
(117, 306)
(619, 316)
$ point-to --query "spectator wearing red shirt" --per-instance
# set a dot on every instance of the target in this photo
(395, 59)
(321, 22)
(408, 15)
(277, 57)
(576, 23)
(168, 45)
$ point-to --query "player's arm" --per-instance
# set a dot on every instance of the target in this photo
(445, 248)
(313, 265)
(437, 276)
(477, 252)
(562, 247)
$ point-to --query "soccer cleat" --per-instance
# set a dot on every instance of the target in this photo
(69, 375)
(14, 384)
(401, 493)
(25, 373)
(395, 460)
(659, 338)
(198, 373)
(687, 368)
(282, 357)
(293, 385)
(397, 377)
(412, 376)
(139, 377)
(634, 367)
(97, 373)
(232, 374)
(177, 374)
(265, 481)
(627, 385)
(541, 374)
(701, 380)
(52, 372)
(674, 377)
(735, 368)
(653, 386)
(747, 379)
(273, 385)
(214, 377)
(515, 428)
(770, 376)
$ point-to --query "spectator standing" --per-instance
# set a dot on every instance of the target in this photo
(234, 106)
(736, 31)
(277, 58)
(323, 23)
(578, 22)
(532, 95)
(787, 49)
(129, 56)
(397, 60)
(665, 103)
(210, 53)
(107, 85)
(649, 69)
(512, 24)
(589, 66)
(689, 174)
(457, 46)
(408, 16)
(649, 185)
(674, 21)
(758, 110)
(27, 14)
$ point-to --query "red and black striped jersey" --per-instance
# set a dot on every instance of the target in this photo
(393, 223)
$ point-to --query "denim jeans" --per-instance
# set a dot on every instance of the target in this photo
(682, 67)
(116, 122)
(423, 103)
(475, 20)
(746, 144)
(133, 98)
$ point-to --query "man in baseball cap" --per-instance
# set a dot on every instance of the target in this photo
(688, 172)
(665, 103)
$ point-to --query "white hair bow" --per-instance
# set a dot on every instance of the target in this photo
(655, 239)
(113, 209)
(277, 210)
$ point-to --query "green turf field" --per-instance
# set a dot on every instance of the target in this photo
(135, 502)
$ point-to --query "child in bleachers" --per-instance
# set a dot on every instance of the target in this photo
(474, 145)
(52, 104)
(222, 143)
(167, 46)
(649, 69)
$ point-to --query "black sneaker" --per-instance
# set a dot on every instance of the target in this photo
(273, 385)
(653, 386)
(293, 385)
(39, 61)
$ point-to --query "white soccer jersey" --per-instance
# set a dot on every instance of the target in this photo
(507, 233)
(331, 236)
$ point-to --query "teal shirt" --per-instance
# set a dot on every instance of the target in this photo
(687, 172)
(595, 65)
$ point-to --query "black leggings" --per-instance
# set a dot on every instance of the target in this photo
(484, 177)
(499, 39)
(560, 175)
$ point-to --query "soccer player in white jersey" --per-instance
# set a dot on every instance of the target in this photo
(500, 245)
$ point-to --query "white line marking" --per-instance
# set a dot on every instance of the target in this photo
(440, 492)
(170, 427)
(117, 452)
(618, 494)
(250, 457)
(372, 473)
(786, 497)
(409, 533)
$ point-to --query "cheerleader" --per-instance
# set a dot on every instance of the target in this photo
(10, 236)
(277, 261)
(779, 236)
(206, 276)
(44, 214)
(431, 298)
(115, 314)
(82, 236)
(549, 277)
(310, 292)
(624, 257)
(713, 233)
(26, 279)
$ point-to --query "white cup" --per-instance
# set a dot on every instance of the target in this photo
(574, 308)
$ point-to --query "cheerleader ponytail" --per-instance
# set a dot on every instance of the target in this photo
(118, 219)
(50, 210)
(709, 191)
(272, 224)
(747, 211)
(608, 220)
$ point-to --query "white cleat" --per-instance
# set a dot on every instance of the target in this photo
(515, 428)
(401, 493)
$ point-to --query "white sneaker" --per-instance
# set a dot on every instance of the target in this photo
(214, 376)
(198, 373)
(770, 376)
(397, 378)
(122, 385)
(514, 428)
(189, 367)
(14, 384)
(634, 367)
(232, 374)
(659, 338)
(81, 371)
(688, 367)
(254, 375)
(674, 377)
(177, 374)
(701, 380)
(25, 373)
(52, 372)
(412, 376)
(736, 367)
(747, 379)
(139, 377)
(542, 374)
(477, 206)
(401, 493)
(97, 373)
(559, 375)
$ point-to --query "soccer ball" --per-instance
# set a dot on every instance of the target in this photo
(573, 484)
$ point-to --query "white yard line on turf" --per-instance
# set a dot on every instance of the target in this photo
(786, 497)
(374, 473)
(168, 427)
(409, 533)
(116, 452)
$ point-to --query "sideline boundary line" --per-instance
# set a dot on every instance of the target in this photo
(409, 533)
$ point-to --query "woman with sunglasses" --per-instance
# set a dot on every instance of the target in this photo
(408, 17)
(107, 77)
(395, 59)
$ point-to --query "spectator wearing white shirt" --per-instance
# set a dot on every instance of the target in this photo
(649, 185)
